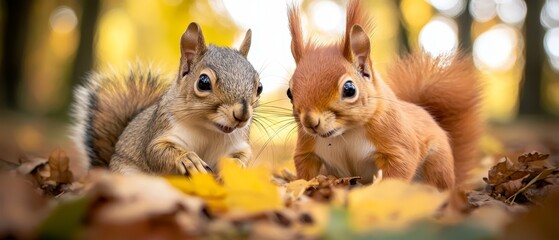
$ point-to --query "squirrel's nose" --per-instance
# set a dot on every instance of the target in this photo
(241, 118)
(311, 122)
(241, 112)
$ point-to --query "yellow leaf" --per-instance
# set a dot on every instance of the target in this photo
(248, 190)
(392, 204)
(297, 188)
(203, 186)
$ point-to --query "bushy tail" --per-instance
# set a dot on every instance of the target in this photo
(449, 88)
(106, 103)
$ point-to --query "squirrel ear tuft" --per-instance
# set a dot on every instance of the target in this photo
(297, 42)
(358, 48)
(245, 46)
(192, 45)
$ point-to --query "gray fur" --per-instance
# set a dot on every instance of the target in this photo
(142, 145)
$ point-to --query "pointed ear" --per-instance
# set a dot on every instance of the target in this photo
(358, 49)
(245, 46)
(297, 47)
(192, 45)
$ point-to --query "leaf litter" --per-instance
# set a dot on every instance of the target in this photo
(42, 199)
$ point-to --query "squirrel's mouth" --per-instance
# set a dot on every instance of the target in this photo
(224, 128)
(329, 133)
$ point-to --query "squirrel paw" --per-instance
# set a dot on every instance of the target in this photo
(191, 163)
(241, 162)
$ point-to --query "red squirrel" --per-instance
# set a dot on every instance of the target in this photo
(421, 121)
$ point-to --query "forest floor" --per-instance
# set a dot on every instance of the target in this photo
(44, 193)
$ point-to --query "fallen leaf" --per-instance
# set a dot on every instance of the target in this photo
(509, 188)
(298, 187)
(248, 190)
(509, 180)
(120, 198)
(532, 156)
(29, 164)
(201, 185)
(500, 172)
(59, 165)
(346, 181)
(324, 192)
(392, 204)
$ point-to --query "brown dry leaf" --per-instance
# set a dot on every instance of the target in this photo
(129, 198)
(346, 181)
(532, 156)
(507, 189)
(140, 206)
(500, 172)
(509, 180)
(52, 177)
(29, 164)
(59, 164)
(324, 191)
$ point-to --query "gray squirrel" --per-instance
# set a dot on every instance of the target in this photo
(144, 122)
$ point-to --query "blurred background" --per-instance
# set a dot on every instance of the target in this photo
(48, 47)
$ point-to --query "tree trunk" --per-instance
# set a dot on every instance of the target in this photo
(465, 29)
(13, 50)
(531, 89)
(402, 32)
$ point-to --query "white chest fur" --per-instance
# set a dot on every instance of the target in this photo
(347, 155)
(209, 145)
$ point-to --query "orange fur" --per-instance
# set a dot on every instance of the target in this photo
(423, 123)
(451, 94)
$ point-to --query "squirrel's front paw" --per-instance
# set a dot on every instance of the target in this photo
(191, 163)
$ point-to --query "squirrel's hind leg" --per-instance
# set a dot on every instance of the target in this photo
(438, 167)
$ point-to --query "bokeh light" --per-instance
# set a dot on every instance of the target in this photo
(512, 11)
(496, 48)
(551, 45)
(483, 10)
(550, 14)
(439, 36)
(327, 16)
(450, 8)
(63, 19)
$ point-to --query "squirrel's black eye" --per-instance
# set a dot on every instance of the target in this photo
(259, 90)
(204, 83)
(349, 90)
(289, 94)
